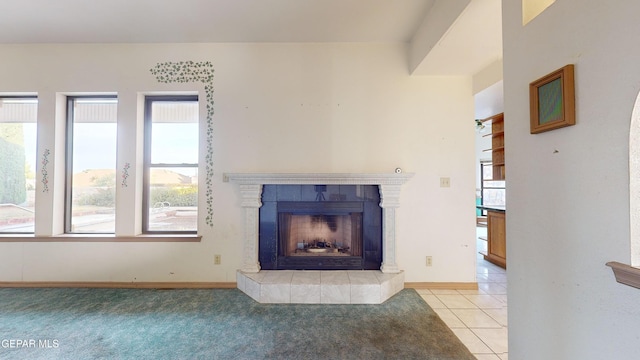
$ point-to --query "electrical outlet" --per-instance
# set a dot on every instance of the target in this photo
(445, 182)
(429, 261)
(217, 259)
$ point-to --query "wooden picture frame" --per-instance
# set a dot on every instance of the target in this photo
(552, 101)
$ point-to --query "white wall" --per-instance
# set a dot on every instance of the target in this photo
(278, 108)
(568, 190)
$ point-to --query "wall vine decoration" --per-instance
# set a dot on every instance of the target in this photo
(187, 72)
(45, 172)
(125, 174)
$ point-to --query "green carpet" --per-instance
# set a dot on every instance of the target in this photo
(214, 324)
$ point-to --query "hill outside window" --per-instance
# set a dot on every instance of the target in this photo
(170, 196)
(91, 164)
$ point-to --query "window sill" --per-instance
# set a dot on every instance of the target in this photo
(625, 274)
(101, 238)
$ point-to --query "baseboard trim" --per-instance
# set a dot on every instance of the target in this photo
(442, 285)
(198, 285)
(118, 285)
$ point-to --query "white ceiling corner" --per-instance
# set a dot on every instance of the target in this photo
(473, 42)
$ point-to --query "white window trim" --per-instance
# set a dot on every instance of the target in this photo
(146, 162)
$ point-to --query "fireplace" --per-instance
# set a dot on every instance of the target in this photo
(258, 201)
(320, 227)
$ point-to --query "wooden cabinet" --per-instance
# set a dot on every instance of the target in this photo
(497, 145)
(496, 238)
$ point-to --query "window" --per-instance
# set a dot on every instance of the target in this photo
(91, 164)
(170, 195)
(493, 192)
(18, 125)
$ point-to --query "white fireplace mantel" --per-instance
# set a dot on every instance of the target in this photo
(317, 178)
(251, 191)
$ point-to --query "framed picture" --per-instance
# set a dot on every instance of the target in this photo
(552, 99)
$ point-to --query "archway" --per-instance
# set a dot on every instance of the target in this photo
(634, 183)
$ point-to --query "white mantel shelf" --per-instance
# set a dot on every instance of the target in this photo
(318, 178)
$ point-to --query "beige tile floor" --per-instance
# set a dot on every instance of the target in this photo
(477, 317)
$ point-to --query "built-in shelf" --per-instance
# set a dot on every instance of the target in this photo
(625, 274)
(496, 218)
(497, 145)
(493, 133)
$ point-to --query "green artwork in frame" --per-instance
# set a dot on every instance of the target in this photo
(552, 100)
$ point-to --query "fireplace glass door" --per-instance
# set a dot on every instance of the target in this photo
(332, 227)
(320, 235)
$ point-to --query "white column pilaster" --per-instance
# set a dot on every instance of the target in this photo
(389, 201)
(251, 202)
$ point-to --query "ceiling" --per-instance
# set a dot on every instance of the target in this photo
(154, 21)
(198, 21)
(471, 43)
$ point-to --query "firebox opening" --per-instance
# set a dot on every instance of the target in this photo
(320, 234)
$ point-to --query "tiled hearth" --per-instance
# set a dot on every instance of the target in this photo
(320, 287)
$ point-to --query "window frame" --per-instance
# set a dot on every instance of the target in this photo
(483, 187)
(68, 173)
(18, 97)
(148, 165)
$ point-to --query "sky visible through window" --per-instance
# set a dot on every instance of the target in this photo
(177, 143)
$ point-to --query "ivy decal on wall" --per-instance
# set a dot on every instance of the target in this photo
(45, 172)
(187, 72)
(125, 174)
